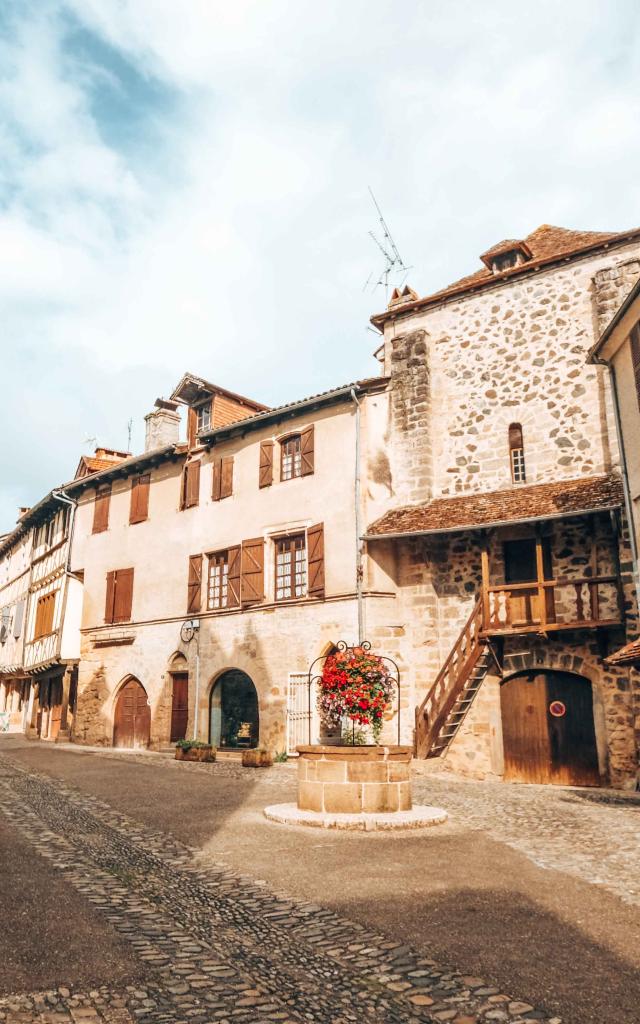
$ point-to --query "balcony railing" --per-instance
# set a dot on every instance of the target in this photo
(546, 605)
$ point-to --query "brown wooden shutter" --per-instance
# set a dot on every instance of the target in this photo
(37, 631)
(315, 558)
(191, 485)
(266, 464)
(252, 583)
(111, 592)
(139, 510)
(192, 428)
(217, 479)
(123, 599)
(635, 357)
(194, 589)
(233, 577)
(226, 489)
(307, 451)
(48, 609)
(101, 509)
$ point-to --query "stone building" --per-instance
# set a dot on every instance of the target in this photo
(507, 538)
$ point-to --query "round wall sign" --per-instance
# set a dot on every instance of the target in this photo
(557, 709)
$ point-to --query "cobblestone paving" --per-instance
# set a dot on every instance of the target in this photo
(593, 834)
(221, 948)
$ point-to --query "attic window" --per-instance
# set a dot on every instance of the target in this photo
(506, 255)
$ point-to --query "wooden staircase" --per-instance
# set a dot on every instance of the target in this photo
(443, 710)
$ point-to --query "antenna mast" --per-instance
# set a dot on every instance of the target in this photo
(129, 429)
(393, 262)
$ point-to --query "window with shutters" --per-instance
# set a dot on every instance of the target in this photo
(191, 484)
(101, 509)
(119, 597)
(203, 417)
(139, 510)
(45, 610)
(218, 585)
(291, 567)
(222, 478)
(634, 339)
(297, 454)
(516, 452)
(194, 586)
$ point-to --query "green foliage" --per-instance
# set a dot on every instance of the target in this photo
(281, 756)
(191, 744)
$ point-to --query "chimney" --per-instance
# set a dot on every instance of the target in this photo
(162, 425)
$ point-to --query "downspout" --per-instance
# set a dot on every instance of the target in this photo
(196, 710)
(66, 500)
(625, 475)
(356, 489)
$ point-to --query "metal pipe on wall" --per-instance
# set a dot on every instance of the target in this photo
(359, 600)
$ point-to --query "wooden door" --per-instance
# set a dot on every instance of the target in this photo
(179, 706)
(548, 730)
(132, 719)
(55, 714)
(520, 566)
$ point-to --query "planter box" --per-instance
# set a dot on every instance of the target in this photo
(196, 754)
(257, 758)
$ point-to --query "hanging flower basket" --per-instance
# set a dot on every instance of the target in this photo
(355, 686)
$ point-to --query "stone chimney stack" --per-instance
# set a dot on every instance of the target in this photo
(162, 426)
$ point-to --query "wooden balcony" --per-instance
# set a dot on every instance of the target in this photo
(544, 606)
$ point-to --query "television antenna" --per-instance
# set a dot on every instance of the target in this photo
(129, 429)
(91, 440)
(393, 262)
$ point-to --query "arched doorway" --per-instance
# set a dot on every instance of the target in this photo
(548, 729)
(132, 716)
(233, 711)
(179, 675)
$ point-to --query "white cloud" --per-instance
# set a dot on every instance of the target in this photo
(184, 185)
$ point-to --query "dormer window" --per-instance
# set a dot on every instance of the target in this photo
(506, 255)
(203, 417)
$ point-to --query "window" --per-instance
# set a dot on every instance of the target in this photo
(45, 609)
(101, 509)
(139, 509)
(191, 484)
(635, 357)
(203, 417)
(218, 580)
(516, 451)
(291, 458)
(222, 478)
(291, 567)
(119, 596)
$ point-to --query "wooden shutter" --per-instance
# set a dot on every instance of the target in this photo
(635, 357)
(111, 592)
(48, 608)
(18, 619)
(252, 582)
(194, 589)
(139, 510)
(266, 464)
(123, 599)
(226, 485)
(37, 631)
(191, 484)
(217, 479)
(315, 557)
(101, 509)
(192, 428)
(233, 577)
(306, 451)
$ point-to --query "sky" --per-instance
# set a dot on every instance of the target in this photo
(184, 186)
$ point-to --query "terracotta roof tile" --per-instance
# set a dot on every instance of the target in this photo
(547, 243)
(518, 504)
(628, 655)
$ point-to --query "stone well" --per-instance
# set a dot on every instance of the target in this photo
(364, 788)
(354, 780)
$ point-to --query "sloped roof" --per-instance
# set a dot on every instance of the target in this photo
(517, 504)
(190, 388)
(628, 655)
(547, 244)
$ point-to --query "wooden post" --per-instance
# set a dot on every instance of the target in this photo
(484, 559)
(542, 597)
(593, 563)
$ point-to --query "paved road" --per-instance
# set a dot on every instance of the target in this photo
(176, 862)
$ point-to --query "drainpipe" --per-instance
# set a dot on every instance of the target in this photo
(625, 475)
(196, 710)
(358, 523)
(61, 496)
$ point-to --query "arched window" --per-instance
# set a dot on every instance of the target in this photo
(516, 452)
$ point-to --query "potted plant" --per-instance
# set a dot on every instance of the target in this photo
(258, 758)
(355, 689)
(194, 750)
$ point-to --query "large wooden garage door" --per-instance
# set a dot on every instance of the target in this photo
(548, 730)
(132, 720)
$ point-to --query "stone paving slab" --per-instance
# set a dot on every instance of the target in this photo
(221, 947)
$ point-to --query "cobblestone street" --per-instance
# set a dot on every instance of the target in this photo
(213, 936)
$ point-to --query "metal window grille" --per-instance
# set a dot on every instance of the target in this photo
(302, 712)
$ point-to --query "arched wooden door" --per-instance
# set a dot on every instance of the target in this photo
(548, 729)
(132, 719)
